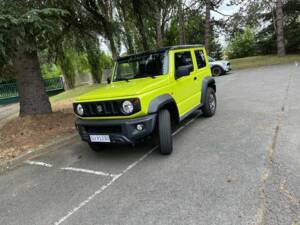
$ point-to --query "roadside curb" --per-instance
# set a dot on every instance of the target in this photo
(31, 153)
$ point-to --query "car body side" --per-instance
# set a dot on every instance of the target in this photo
(185, 92)
(223, 64)
(180, 96)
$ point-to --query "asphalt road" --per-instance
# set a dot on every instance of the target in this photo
(239, 167)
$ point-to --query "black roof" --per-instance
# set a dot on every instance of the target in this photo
(174, 47)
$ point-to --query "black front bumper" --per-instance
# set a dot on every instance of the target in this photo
(119, 130)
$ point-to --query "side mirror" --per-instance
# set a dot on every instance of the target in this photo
(108, 80)
(183, 71)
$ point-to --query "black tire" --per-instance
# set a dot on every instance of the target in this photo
(210, 106)
(217, 71)
(165, 132)
(96, 147)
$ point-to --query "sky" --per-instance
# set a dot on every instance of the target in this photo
(227, 10)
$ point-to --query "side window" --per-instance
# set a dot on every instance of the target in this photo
(183, 60)
(200, 59)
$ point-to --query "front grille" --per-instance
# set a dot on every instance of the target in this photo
(106, 108)
(103, 129)
(109, 108)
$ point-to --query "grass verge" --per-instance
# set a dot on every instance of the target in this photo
(257, 61)
(18, 134)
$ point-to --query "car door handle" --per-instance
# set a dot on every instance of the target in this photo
(195, 78)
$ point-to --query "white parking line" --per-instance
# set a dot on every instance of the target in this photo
(178, 130)
(89, 171)
(114, 178)
(38, 163)
(103, 188)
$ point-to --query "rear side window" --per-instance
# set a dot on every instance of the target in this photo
(200, 59)
(183, 60)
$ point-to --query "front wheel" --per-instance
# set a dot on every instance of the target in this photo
(217, 71)
(210, 106)
(165, 132)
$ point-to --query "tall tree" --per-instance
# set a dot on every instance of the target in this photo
(93, 56)
(140, 8)
(279, 28)
(25, 28)
(181, 23)
(207, 36)
(102, 12)
(210, 5)
(126, 21)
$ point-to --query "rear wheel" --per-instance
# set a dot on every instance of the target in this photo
(210, 106)
(96, 147)
(217, 71)
(165, 132)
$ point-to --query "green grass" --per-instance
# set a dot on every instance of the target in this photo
(257, 61)
(73, 93)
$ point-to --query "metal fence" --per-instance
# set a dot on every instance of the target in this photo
(9, 93)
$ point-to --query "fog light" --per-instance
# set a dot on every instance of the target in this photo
(140, 127)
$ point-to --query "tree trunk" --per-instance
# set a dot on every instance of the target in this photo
(129, 42)
(159, 38)
(142, 32)
(279, 30)
(110, 36)
(181, 24)
(128, 37)
(207, 25)
(140, 22)
(114, 52)
(68, 69)
(32, 93)
(93, 54)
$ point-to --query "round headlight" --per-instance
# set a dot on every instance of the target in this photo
(127, 107)
(80, 110)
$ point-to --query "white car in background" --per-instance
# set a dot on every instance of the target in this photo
(219, 67)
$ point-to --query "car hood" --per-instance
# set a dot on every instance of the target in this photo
(122, 89)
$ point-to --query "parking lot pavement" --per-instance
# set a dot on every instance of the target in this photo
(239, 167)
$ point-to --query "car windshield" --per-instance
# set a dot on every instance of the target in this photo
(139, 66)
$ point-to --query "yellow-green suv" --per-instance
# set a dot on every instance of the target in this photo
(148, 92)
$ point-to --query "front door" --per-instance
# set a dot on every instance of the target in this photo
(186, 90)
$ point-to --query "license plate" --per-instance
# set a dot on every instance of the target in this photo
(100, 138)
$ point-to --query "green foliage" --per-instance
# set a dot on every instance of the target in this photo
(93, 52)
(81, 63)
(7, 74)
(255, 13)
(50, 70)
(106, 61)
(242, 45)
(29, 29)
(68, 68)
(194, 32)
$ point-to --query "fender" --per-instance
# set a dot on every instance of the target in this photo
(158, 102)
(207, 82)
